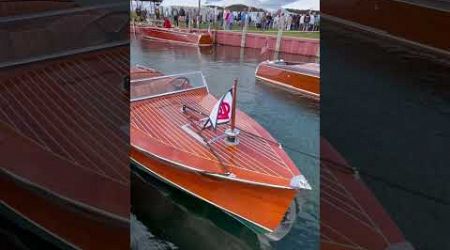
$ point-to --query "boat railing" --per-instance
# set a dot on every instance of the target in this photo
(151, 87)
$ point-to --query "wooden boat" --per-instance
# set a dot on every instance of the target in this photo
(351, 217)
(174, 35)
(250, 177)
(406, 21)
(63, 156)
(302, 77)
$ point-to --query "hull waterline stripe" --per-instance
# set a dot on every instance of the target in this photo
(177, 42)
(208, 173)
(289, 86)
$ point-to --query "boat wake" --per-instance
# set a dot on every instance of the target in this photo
(286, 224)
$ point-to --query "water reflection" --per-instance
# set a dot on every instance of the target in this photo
(386, 109)
(179, 218)
(217, 53)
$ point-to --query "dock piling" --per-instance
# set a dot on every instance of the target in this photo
(244, 33)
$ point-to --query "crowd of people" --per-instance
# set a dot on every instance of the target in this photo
(183, 16)
(226, 19)
(299, 22)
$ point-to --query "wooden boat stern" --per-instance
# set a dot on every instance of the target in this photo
(301, 77)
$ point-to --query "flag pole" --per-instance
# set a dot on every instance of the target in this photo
(232, 133)
(233, 114)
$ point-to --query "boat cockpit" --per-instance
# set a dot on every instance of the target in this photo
(156, 85)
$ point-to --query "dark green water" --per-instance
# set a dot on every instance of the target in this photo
(168, 218)
(386, 108)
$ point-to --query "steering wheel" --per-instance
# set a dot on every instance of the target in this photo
(180, 83)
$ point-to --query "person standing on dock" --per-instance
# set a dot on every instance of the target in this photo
(220, 18)
(226, 13)
(283, 21)
(294, 22)
(312, 22)
(188, 17)
(317, 22)
(263, 21)
(258, 21)
(276, 21)
(229, 20)
(211, 18)
(167, 23)
(307, 19)
(175, 15)
(239, 19)
(157, 14)
(289, 22)
(181, 16)
(302, 22)
(269, 21)
(231, 17)
(182, 12)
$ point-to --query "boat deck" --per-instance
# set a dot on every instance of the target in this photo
(159, 126)
(64, 131)
(312, 69)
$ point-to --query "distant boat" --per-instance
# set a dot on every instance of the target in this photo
(302, 77)
(174, 35)
(236, 166)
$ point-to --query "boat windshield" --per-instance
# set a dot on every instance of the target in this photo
(146, 88)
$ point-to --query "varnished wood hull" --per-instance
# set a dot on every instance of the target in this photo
(351, 217)
(418, 24)
(53, 175)
(298, 81)
(49, 195)
(63, 224)
(175, 36)
(261, 206)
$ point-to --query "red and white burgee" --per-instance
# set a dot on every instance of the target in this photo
(221, 112)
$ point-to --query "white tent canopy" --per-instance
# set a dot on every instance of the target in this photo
(303, 5)
(183, 3)
(216, 3)
(248, 3)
